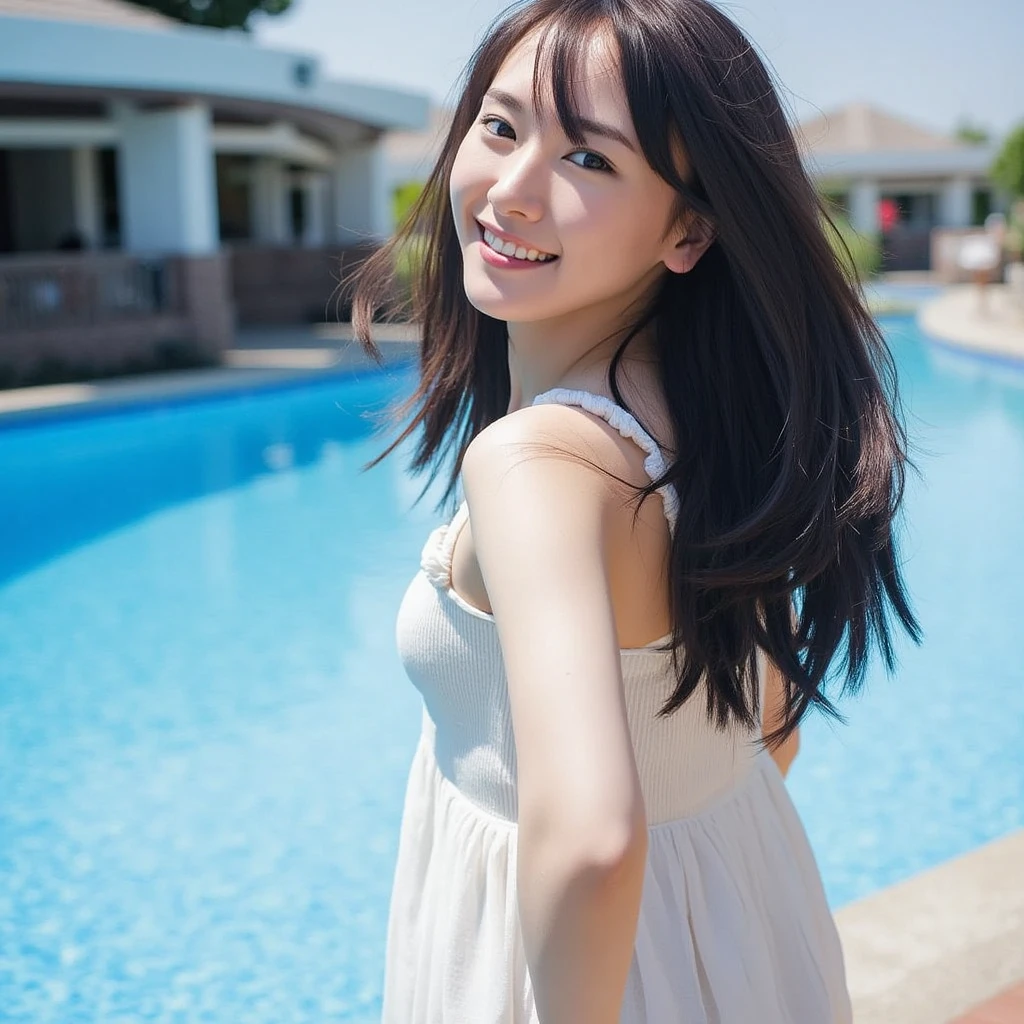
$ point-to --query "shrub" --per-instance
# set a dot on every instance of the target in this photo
(402, 199)
(1008, 169)
(865, 251)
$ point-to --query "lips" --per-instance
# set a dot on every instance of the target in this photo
(519, 243)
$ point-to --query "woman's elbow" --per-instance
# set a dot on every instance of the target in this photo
(599, 849)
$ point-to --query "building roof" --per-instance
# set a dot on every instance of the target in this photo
(112, 47)
(105, 12)
(864, 141)
(862, 128)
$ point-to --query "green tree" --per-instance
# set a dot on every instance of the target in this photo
(973, 134)
(861, 252)
(402, 199)
(1008, 170)
(215, 13)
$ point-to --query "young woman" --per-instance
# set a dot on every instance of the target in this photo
(674, 423)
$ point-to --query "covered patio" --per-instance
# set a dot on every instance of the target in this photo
(164, 183)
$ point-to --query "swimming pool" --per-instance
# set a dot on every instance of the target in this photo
(205, 730)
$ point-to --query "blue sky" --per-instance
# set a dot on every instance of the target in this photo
(931, 62)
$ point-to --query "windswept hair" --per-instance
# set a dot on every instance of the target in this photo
(779, 384)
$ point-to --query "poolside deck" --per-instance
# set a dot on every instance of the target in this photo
(946, 943)
(259, 359)
(992, 324)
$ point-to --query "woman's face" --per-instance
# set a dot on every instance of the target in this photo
(600, 210)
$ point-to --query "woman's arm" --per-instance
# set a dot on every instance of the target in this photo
(539, 529)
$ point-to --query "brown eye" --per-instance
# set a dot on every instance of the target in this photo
(492, 120)
(598, 162)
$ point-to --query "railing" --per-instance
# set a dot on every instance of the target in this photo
(906, 248)
(82, 290)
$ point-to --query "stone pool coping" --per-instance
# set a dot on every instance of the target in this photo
(260, 360)
(934, 947)
(958, 318)
(269, 357)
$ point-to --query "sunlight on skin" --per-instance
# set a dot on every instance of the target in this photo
(601, 210)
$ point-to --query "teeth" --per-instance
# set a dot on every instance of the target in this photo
(519, 252)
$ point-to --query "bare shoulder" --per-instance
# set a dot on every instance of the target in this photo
(551, 491)
(576, 449)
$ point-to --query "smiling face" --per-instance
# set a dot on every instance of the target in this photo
(600, 209)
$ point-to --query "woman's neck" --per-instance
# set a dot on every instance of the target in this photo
(540, 358)
(568, 350)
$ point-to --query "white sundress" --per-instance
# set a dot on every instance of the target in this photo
(734, 927)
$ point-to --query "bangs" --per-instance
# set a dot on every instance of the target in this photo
(564, 51)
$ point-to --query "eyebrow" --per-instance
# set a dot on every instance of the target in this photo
(590, 127)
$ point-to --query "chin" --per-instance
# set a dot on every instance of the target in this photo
(486, 297)
(491, 306)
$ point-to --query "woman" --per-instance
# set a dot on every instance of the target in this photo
(673, 421)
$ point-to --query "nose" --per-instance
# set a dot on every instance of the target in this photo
(517, 191)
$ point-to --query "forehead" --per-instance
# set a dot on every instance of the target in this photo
(592, 66)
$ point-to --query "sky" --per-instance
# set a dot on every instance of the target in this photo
(933, 63)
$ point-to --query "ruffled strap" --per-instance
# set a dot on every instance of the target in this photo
(626, 424)
(436, 557)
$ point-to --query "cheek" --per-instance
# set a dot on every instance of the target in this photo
(467, 178)
(615, 231)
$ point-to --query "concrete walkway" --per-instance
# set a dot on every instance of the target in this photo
(938, 944)
(992, 324)
(262, 358)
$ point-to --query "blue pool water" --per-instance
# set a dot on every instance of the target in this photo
(205, 730)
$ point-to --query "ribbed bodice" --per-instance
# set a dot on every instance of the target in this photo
(452, 654)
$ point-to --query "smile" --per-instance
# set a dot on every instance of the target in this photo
(512, 251)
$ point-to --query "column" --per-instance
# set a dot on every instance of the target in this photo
(864, 195)
(167, 179)
(362, 206)
(168, 196)
(85, 188)
(314, 184)
(955, 203)
(270, 202)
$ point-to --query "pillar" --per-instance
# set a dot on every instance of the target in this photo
(362, 206)
(955, 207)
(270, 202)
(167, 179)
(85, 187)
(314, 183)
(864, 197)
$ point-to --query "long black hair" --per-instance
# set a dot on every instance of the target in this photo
(781, 389)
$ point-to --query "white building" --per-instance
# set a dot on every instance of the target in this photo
(109, 115)
(866, 160)
(125, 132)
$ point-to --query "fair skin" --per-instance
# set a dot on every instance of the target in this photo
(552, 550)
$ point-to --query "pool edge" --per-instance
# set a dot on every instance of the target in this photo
(934, 946)
(953, 321)
(30, 407)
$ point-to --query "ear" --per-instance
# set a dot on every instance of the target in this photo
(683, 255)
